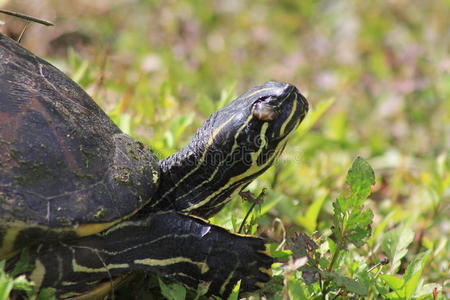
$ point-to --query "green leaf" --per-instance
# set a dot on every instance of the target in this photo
(81, 73)
(357, 287)
(226, 95)
(6, 285)
(168, 139)
(407, 286)
(281, 254)
(358, 184)
(206, 105)
(47, 294)
(22, 283)
(309, 220)
(172, 291)
(427, 289)
(125, 123)
(311, 118)
(295, 290)
(413, 273)
(395, 243)
(235, 293)
(394, 296)
(273, 197)
(358, 227)
(351, 221)
(23, 264)
(80, 67)
(202, 289)
(180, 124)
(394, 282)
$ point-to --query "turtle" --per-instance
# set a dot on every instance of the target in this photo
(91, 205)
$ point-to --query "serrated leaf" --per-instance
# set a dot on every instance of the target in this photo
(351, 221)
(395, 243)
(358, 227)
(358, 184)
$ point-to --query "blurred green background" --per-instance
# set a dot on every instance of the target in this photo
(377, 75)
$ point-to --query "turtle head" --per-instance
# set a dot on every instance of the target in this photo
(235, 145)
(272, 111)
(251, 132)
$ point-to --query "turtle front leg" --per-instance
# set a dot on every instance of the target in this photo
(169, 244)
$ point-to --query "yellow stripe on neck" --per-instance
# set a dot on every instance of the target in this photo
(254, 168)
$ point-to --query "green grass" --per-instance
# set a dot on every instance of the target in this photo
(377, 77)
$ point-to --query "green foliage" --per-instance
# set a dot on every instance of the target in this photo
(172, 291)
(17, 281)
(351, 226)
(333, 270)
(351, 221)
(409, 285)
(235, 293)
(23, 264)
(309, 220)
(9, 283)
(46, 294)
(395, 245)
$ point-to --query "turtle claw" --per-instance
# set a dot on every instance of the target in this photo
(244, 260)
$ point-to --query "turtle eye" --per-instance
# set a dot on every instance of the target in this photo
(264, 110)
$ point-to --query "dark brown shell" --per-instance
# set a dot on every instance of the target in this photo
(62, 160)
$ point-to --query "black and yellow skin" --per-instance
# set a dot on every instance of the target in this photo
(161, 230)
(234, 145)
(169, 244)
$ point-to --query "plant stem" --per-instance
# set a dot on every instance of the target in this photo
(246, 217)
(330, 268)
(333, 259)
